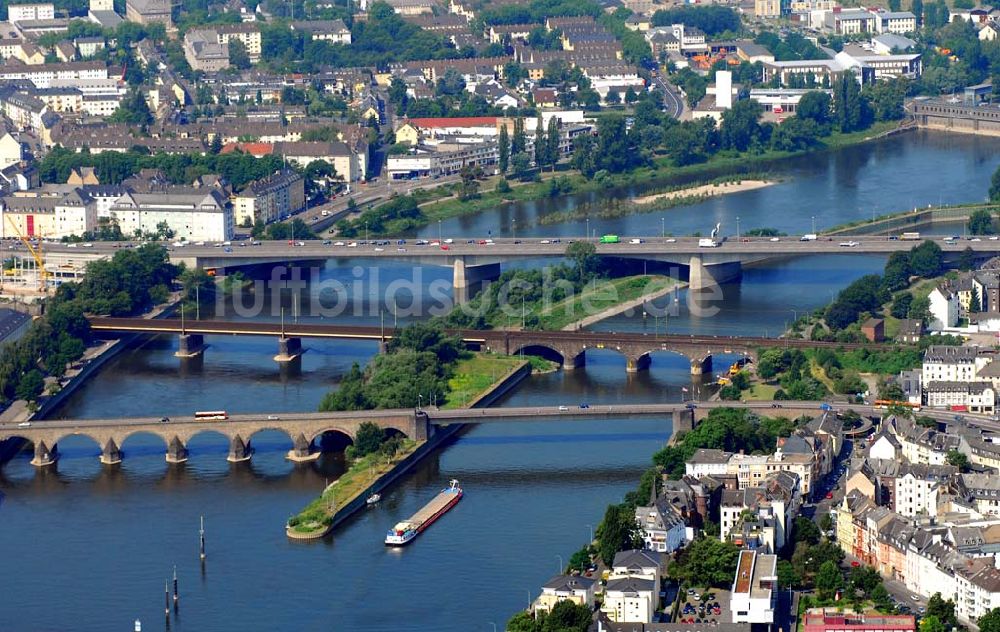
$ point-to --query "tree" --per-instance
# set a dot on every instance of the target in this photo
(368, 439)
(967, 259)
(897, 271)
(943, 610)
(567, 616)
(865, 579)
(30, 385)
(552, 143)
(829, 580)
(740, 125)
(920, 309)
(788, 577)
(931, 623)
(926, 259)
(981, 223)
(826, 522)
(469, 186)
(540, 145)
(805, 530)
(995, 186)
(132, 110)
(883, 601)
(959, 460)
(617, 532)
(989, 622)
(238, 56)
(503, 149)
(518, 143)
(850, 107)
(706, 562)
(815, 106)
(216, 146)
(585, 259)
(918, 10)
(901, 305)
(975, 303)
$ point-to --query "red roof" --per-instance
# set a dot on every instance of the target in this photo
(457, 121)
(254, 149)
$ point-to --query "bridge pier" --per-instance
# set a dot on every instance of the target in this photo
(176, 452)
(700, 366)
(239, 450)
(302, 450)
(634, 365)
(190, 345)
(288, 349)
(703, 276)
(468, 279)
(684, 421)
(43, 456)
(110, 454)
(578, 361)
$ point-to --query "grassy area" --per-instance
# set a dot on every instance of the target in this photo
(761, 392)
(817, 372)
(475, 374)
(318, 515)
(598, 297)
(541, 365)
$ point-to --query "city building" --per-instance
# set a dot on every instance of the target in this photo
(199, 216)
(754, 590)
(149, 12)
(579, 590)
(13, 325)
(204, 52)
(841, 620)
(30, 12)
(631, 599)
(269, 199)
(334, 31)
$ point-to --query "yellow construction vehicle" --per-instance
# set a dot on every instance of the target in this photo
(36, 254)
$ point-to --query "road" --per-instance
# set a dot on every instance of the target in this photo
(569, 412)
(673, 101)
(533, 247)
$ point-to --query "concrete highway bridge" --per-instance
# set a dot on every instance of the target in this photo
(474, 261)
(304, 429)
(567, 347)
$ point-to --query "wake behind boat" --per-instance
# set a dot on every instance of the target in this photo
(406, 530)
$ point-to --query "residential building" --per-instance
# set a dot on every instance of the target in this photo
(149, 12)
(637, 563)
(944, 309)
(948, 363)
(574, 588)
(30, 12)
(333, 31)
(246, 33)
(910, 330)
(975, 397)
(754, 589)
(13, 325)
(11, 150)
(708, 462)
(851, 21)
(199, 216)
(918, 486)
(663, 521)
(630, 599)
(269, 199)
(203, 51)
(896, 22)
(873, 329)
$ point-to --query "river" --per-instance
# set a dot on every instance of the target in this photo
(88, 548)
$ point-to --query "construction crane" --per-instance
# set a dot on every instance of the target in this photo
(36, 253)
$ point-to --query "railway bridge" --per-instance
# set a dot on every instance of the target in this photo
(566, 347)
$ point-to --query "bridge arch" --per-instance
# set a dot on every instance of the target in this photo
(543, 351)
(249, 435)
(331, 438)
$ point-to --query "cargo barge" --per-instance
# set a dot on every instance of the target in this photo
(407, 530)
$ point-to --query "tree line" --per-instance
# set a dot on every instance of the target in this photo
(129, 283)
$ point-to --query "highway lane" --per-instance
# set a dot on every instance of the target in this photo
(525, 248)
(672, 100)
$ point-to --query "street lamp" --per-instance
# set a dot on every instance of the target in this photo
(587, 235)
(663, 228)
(420, 401)
(814, 224)
(591, 527)
(439, 232)
(366, 232)
(737, 227)
(513, 227)
(561, 566)
(796, 315)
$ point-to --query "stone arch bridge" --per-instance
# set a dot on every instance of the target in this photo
(302, 428)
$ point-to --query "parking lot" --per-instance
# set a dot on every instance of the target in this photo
(709, 606)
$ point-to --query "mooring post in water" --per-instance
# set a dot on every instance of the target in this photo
(201, 533)
(176, 596)
(166, 598)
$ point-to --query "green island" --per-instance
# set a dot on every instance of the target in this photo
(421, 367)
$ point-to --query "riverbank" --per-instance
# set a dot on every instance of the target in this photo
(626, 304)
(707, 190)
(901, 221)
(371, 474)
(662, 172)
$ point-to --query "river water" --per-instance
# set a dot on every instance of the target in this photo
(88, 547)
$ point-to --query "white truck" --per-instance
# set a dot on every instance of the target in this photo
(808, 237)
(707, 242)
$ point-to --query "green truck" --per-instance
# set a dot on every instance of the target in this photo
(610, 239)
